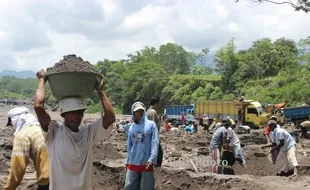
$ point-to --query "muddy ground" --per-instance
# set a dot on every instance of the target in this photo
(177, 172)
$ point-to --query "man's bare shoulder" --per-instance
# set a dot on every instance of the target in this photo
(151, 111)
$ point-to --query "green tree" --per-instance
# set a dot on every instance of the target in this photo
(175, 59)
(142, 80)
(227, 63)
(200, 67)
(304, 50)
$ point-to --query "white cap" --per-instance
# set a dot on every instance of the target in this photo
(71, 104)
(17, 111)
(273, 117)
(138, 106)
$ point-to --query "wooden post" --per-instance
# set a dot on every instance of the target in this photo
(195, 168)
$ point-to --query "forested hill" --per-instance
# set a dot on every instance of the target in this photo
(268, 71)
(18, 74)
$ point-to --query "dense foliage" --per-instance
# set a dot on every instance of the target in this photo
(269, 71)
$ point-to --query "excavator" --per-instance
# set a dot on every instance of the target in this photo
(277, 110)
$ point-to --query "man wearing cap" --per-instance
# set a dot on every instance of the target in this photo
(28, 143)
(269, 137)
(268, 131)
(232, 122)
(284, 142)
(70, 146)
(142, 146)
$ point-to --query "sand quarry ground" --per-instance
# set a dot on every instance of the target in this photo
(177, 172)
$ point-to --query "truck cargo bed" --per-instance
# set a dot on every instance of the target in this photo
(297, 113)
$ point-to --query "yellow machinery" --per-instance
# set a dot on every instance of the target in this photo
(276, 110)
(246, 112)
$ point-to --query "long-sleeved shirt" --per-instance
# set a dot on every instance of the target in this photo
(218, 137)
(29, 142)
(142, 142)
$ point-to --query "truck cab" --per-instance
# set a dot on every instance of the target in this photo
(255, 114)
(189, 116)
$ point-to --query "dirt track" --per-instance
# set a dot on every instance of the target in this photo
(177, 172)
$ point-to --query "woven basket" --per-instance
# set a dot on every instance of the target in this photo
(70, 84)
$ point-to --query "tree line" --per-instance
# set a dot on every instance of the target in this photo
(268, 71)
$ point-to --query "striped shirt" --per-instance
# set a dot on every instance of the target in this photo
(29, 142)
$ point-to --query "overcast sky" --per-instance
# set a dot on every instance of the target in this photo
(35, 34)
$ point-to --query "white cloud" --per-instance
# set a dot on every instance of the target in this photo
(233, 27)
(145, 18)
(35, 34)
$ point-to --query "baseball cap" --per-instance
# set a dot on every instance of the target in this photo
(138, 106)
(273, 117)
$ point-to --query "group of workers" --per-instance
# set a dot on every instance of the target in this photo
(283, 151)
(62, 152)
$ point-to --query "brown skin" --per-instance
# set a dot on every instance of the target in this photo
(268, 138)
(139, 114)
(72, 119)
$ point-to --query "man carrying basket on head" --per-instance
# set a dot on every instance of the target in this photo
(69, 145)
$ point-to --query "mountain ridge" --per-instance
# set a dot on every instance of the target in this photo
(18, 74)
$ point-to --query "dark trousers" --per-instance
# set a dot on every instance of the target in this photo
(159, 156)
(43, 187)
